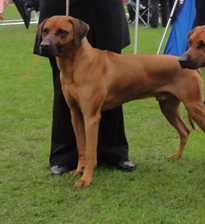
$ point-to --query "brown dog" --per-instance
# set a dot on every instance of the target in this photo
(94, 81)
(194, 57)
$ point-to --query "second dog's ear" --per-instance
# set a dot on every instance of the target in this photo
(80, 30)
(190, 33)
(39, 31)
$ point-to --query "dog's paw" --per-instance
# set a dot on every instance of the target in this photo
(82, 182)
(76, 172)
(176, 155)
(73, 172)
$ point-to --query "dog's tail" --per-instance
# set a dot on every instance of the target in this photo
(191, 122)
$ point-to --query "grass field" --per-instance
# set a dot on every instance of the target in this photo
(159, 191)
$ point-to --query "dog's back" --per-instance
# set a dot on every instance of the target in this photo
(143, 76)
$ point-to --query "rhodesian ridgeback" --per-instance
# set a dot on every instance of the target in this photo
(194, 57)
(93, 80)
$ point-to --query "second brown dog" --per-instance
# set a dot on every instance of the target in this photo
(94, 81)
(194, 57)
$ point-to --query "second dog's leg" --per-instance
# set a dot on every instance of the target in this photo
(170, 109)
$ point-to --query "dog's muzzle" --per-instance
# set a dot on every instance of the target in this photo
(47, 49)
(184, 60)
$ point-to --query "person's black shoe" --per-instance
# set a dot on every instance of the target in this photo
(126, 165)
(58, 170)
(122, 165)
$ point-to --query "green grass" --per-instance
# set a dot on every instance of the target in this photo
(160, 191)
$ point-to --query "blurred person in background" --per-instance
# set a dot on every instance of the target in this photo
(3, 4)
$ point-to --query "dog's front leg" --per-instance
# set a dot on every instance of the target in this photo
(91, 132)
(79, 129)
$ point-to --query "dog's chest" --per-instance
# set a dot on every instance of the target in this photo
(70, 92)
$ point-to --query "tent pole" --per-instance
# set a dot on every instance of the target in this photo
(136, 26)
(167, 26)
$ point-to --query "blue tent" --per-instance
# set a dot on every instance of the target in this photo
(177, 41)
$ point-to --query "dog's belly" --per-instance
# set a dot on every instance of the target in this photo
(117, 100)
(113, 102)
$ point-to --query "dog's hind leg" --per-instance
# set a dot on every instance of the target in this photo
(170, 109)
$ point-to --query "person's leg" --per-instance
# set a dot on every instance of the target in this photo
(164, 12)
(154, 12)
(131, 12)
(133, 4)
(112, 142)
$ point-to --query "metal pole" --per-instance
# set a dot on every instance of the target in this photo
(148, 11)
(16, 23)
(136, 26)
(167, 26)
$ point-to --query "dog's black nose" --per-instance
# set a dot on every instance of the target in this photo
(45, 44)
(45, 47)
(183, 64)
(183, 61)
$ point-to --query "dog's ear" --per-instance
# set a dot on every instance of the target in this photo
(190, 33)
(39, 31)
(80, 30)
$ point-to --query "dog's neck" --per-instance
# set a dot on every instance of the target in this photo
(71, 59)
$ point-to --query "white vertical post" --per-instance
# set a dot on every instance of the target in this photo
(136, 26)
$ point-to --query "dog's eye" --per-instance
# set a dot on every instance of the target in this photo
(63, 33)
(45, 32)
(189, 43)
(201, 43)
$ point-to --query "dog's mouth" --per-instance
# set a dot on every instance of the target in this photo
(50, 52)
(47, 53)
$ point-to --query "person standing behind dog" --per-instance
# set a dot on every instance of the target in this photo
(3, 4)
(108, 31)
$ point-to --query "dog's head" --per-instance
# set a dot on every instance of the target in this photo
(59, 34)
(194, 57)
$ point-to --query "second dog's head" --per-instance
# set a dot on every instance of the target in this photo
(58, 34)
(194, 57)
